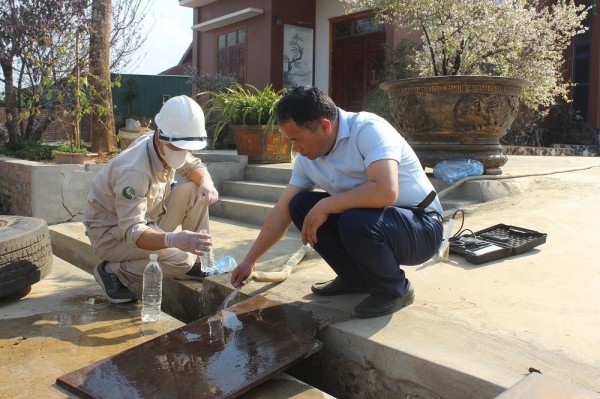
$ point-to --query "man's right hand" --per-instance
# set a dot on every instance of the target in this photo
(189, 241)
(241, 273)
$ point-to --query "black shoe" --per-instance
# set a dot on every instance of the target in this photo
(115, 291)
(376, 305)
(195, 273)
(337, 286)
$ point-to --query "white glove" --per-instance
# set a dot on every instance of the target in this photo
(207, 193)
(188, 241)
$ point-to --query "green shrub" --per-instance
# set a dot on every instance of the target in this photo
(29, 150)
(70, 148)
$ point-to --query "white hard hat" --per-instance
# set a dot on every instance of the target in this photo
(181, 123)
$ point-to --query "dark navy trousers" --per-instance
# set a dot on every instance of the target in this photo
(367, 246)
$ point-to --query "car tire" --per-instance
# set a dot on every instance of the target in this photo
(25, 253)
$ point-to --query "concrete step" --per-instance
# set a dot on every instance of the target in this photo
(255, 190)
(241, 210)
(250, 199)
(271, 173)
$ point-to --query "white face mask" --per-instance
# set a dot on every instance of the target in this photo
(175, 159)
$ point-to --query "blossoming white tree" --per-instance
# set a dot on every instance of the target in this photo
(513, 38)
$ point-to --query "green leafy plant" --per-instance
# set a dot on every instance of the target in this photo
(72, 149)
(28, 149)
(242, 105)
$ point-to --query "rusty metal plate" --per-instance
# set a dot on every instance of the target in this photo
(219, 356)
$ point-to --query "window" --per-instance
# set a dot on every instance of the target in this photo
(355, 27)
(581, 70)
(367, 25)
(231, 55)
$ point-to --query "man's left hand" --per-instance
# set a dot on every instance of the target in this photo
(313, 220)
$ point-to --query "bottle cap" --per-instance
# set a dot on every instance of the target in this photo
(153, 257)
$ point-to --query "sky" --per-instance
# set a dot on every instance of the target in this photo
(168, 38)
(170, 27)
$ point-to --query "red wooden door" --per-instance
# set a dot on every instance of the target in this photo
(357, 55)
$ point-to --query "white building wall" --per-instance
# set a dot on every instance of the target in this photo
(326, 9)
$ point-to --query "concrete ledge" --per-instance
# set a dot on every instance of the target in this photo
(57, 193)
(538, 386)
(184, 300)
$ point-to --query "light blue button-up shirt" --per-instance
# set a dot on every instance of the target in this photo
(362, 139)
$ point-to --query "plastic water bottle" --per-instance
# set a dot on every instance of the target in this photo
(452, 170)
(223, 265)
(207, 261)
(152, 290)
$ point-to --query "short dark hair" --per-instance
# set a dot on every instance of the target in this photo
(306, 105)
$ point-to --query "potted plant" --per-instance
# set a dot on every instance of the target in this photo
(250, 114)
(461, 106)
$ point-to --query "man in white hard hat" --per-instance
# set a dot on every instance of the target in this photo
(133, 206)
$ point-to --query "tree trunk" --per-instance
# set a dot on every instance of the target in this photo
(12, 115)
(103, 120)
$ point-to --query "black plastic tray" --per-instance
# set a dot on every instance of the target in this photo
(496, 242)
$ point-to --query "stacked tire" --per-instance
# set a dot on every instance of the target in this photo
(25, 253)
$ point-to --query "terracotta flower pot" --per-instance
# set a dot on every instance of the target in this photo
(74, 157)
(451, 117)
(261, 145)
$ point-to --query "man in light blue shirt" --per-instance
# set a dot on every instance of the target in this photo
(378, 209)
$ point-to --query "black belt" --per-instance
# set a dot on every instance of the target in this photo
(428, 200)
(436, 216)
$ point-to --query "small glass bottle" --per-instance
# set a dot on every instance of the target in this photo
(152, 290)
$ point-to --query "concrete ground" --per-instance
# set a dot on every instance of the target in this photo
(473, 331)
(65, 323)
(488, 324)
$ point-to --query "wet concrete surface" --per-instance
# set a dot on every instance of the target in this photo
(219, 356)
(63, 324)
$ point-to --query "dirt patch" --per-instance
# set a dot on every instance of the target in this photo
(103, 157)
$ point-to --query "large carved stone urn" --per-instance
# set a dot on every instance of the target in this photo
(451, 117)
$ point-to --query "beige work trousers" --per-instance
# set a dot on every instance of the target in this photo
(182, 208)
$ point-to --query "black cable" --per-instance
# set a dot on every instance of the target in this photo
(462, 221)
